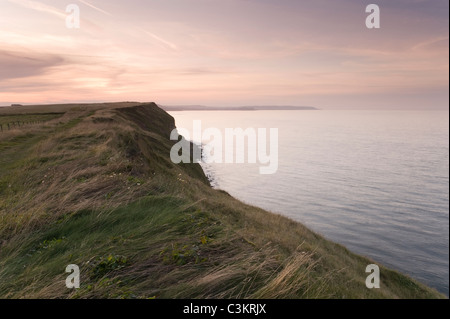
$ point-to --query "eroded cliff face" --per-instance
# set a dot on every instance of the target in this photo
(156, 146)
(149, 117)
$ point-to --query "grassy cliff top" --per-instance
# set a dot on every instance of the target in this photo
(93, 185)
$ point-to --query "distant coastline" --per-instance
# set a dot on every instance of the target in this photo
(235, 108)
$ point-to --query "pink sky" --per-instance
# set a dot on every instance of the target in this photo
(226, 53)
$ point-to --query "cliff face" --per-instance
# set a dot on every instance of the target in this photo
(96, 188)
(149, 117)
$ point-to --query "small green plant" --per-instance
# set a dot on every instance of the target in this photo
(46, 244)
(106, 264)
(135, 180)
(109, 195)
(204, 239)
(182, 255)
(50, 243)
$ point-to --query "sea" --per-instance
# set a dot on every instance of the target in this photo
(375, 181)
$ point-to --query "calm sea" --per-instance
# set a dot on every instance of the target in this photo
(374, 181)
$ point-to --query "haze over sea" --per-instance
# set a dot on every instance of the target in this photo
(374, 181)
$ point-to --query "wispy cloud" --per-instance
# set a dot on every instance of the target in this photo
(440, 42)
(26, 64)
(161, 40)
(38, 6)
(95, 8)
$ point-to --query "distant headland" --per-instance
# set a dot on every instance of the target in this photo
(235, 108)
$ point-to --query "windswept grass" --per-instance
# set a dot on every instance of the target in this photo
(96, 187)
(27, 119)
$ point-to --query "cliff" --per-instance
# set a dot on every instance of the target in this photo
(95, 186)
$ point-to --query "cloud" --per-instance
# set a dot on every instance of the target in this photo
(21, 65)
(95, 8)
(166, 43)
(238, 48)
(34, 5)
(439, 44)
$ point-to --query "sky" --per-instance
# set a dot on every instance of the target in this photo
(227, 53)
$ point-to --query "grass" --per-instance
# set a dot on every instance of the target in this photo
(27, 119)
(96, 187)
